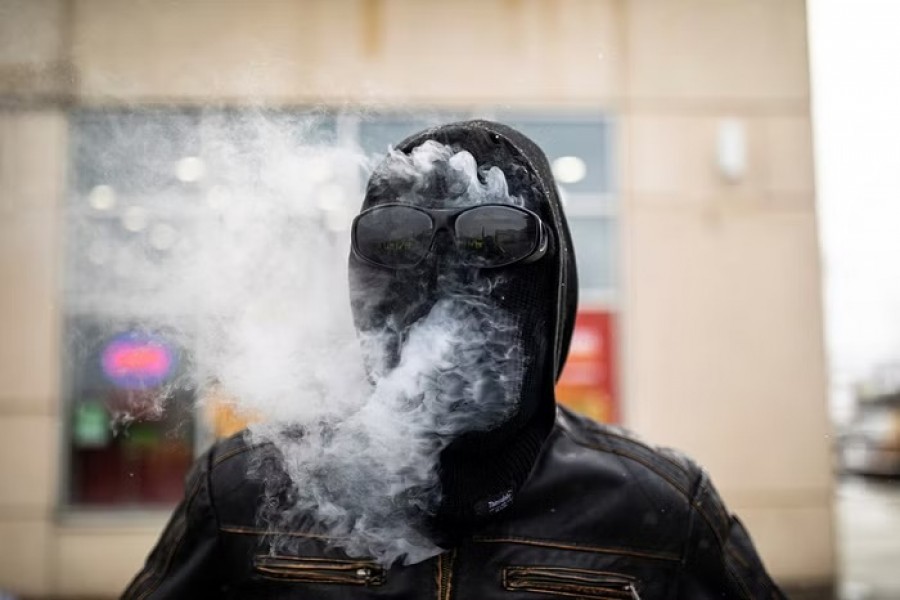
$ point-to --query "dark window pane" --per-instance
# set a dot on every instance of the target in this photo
(578, 148)
(131, 432)
(380, 132)
(135, 151)
(595, 244)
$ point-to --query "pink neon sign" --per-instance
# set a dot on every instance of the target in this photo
(136, 361)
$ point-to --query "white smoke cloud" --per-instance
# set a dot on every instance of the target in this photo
(257, 289)
(467, 182)
(368, 474)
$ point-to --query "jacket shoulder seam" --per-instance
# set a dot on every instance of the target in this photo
(225, 455)
(155, 577)
(625, 454)
(630, 440)
(646, 446)
(740, 581)
(574, 546)
(720, 529)
(221, 458)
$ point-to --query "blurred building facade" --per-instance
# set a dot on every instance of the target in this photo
(706, 105)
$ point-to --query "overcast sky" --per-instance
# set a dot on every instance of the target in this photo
(855, 52)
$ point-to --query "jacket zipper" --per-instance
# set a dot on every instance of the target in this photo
(587, 583)
(445, 574)
(319, 570)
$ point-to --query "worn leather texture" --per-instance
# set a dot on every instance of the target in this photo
(602, 515)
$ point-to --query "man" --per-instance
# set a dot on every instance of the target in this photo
(459, 477)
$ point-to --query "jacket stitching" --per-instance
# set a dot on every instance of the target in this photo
(159, 576)
(299, 576)
(229, 454)
(639, 459)
(336, 562)
(735, 553)
(273, 575)
(182, 522)
(737, 557)
(625, 438)
(561, 546)
(439, 576)
(689, 530)
(571, 579)
(718, 506)
(646, 446)
(665, 476)
(447, 593)
(146, 575)
(577, 592)
(724, 546)
(720, 537)
(718, 529)
(150, 571)
(212, 506)
(734, 575)
(567, 570)
(635, 458)
(253, 531)
(308, 579)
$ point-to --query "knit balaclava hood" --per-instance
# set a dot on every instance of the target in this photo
(506, 331)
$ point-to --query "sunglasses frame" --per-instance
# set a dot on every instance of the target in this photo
(445, 219)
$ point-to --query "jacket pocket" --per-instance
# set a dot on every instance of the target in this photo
(570, 582)
(318, 570)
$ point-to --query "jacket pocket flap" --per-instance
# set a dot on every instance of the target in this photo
(567, 581)
(318, 570)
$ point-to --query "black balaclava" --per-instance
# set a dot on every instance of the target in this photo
(527, 308)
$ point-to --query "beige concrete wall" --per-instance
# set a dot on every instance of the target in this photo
(42, 553)
(723, 317)
(722, 346)
(32, 167)
(358, 51)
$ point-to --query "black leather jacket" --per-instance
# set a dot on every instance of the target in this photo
(601, 516)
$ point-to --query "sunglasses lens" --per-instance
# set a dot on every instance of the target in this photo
(492, 236)
(393, 236)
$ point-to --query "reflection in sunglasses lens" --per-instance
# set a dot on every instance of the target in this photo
(495, 235)
(394, 235)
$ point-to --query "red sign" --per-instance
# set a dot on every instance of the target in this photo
(588, 381)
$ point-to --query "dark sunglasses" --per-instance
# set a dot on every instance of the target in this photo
(399, 236)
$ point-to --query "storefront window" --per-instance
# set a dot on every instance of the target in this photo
(141, 183)
(595, 243)
(579, 150)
